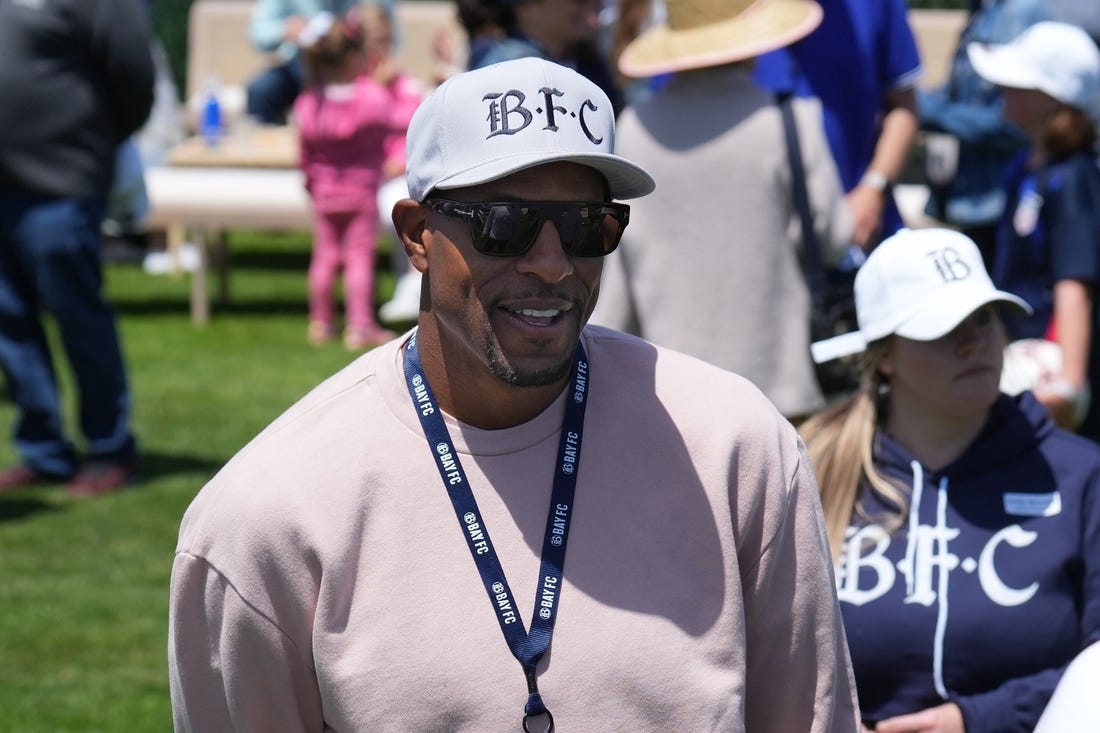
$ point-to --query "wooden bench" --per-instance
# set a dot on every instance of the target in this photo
(199, 204)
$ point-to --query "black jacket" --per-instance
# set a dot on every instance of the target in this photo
(76, 79)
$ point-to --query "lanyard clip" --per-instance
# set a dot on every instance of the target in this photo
(539, 729)
(535, 707)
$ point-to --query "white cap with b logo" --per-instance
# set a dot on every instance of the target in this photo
(919, 284)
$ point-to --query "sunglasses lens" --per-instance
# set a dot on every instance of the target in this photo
(506, 230)
(591, 232)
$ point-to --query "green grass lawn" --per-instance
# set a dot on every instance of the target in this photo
(84, 584)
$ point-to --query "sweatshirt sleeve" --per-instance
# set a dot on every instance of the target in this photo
(797, 650)
(124, 53)
(407, 96)
(1016, 706)
(231, 668)
(1072, 214)
(266, 26)
(303, 107)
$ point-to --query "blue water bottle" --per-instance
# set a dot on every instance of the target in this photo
(211, 126)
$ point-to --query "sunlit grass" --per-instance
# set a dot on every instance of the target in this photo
(84, 584)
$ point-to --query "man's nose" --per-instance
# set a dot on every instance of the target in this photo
(546, 259)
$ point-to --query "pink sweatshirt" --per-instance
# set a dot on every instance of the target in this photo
(323, 582)
(346, 135)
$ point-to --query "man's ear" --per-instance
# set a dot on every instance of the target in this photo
(410, 222)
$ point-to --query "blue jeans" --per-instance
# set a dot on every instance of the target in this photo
(50, 261)
(271, 93)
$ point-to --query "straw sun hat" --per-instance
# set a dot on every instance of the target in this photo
(701, 33)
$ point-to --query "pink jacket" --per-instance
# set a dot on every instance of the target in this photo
(346, 141)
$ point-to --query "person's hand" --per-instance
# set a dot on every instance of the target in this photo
(444, 50)
(384, 71)
(392, 169)
(445, 57)
(946, 718)
(292, 26)
(1060, 403)
(866, 203)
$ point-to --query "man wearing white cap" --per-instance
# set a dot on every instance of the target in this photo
(367, 563)
(964, 524)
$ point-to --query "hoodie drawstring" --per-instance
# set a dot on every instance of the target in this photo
(942, 572)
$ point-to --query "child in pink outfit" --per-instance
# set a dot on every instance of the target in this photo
(352, 117)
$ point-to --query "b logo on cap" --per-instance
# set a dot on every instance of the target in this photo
(505, 105)
(949, 264)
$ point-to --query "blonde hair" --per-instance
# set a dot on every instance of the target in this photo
(840, 440)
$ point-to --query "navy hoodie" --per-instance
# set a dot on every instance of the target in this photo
(992, 584)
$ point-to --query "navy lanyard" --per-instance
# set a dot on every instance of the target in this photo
(528, 648)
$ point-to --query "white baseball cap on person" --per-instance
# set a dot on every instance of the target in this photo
(482, 125)
(919, 284)
(1059, 59)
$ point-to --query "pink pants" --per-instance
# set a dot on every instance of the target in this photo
(348, 239)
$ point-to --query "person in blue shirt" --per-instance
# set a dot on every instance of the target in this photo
(970, 143)
(862, 63)
(563, 31)
(1048, 241)
(965, 525)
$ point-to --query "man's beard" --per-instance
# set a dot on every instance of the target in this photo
(501, 369)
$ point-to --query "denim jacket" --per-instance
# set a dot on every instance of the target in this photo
(970, 108)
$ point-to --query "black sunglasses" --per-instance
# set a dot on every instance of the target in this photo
(509, 228)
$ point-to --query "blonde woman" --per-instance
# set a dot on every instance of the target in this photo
(964, 524)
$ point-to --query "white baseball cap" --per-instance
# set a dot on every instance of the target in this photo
(1057, 58)
(920, 284)
(485, 124)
